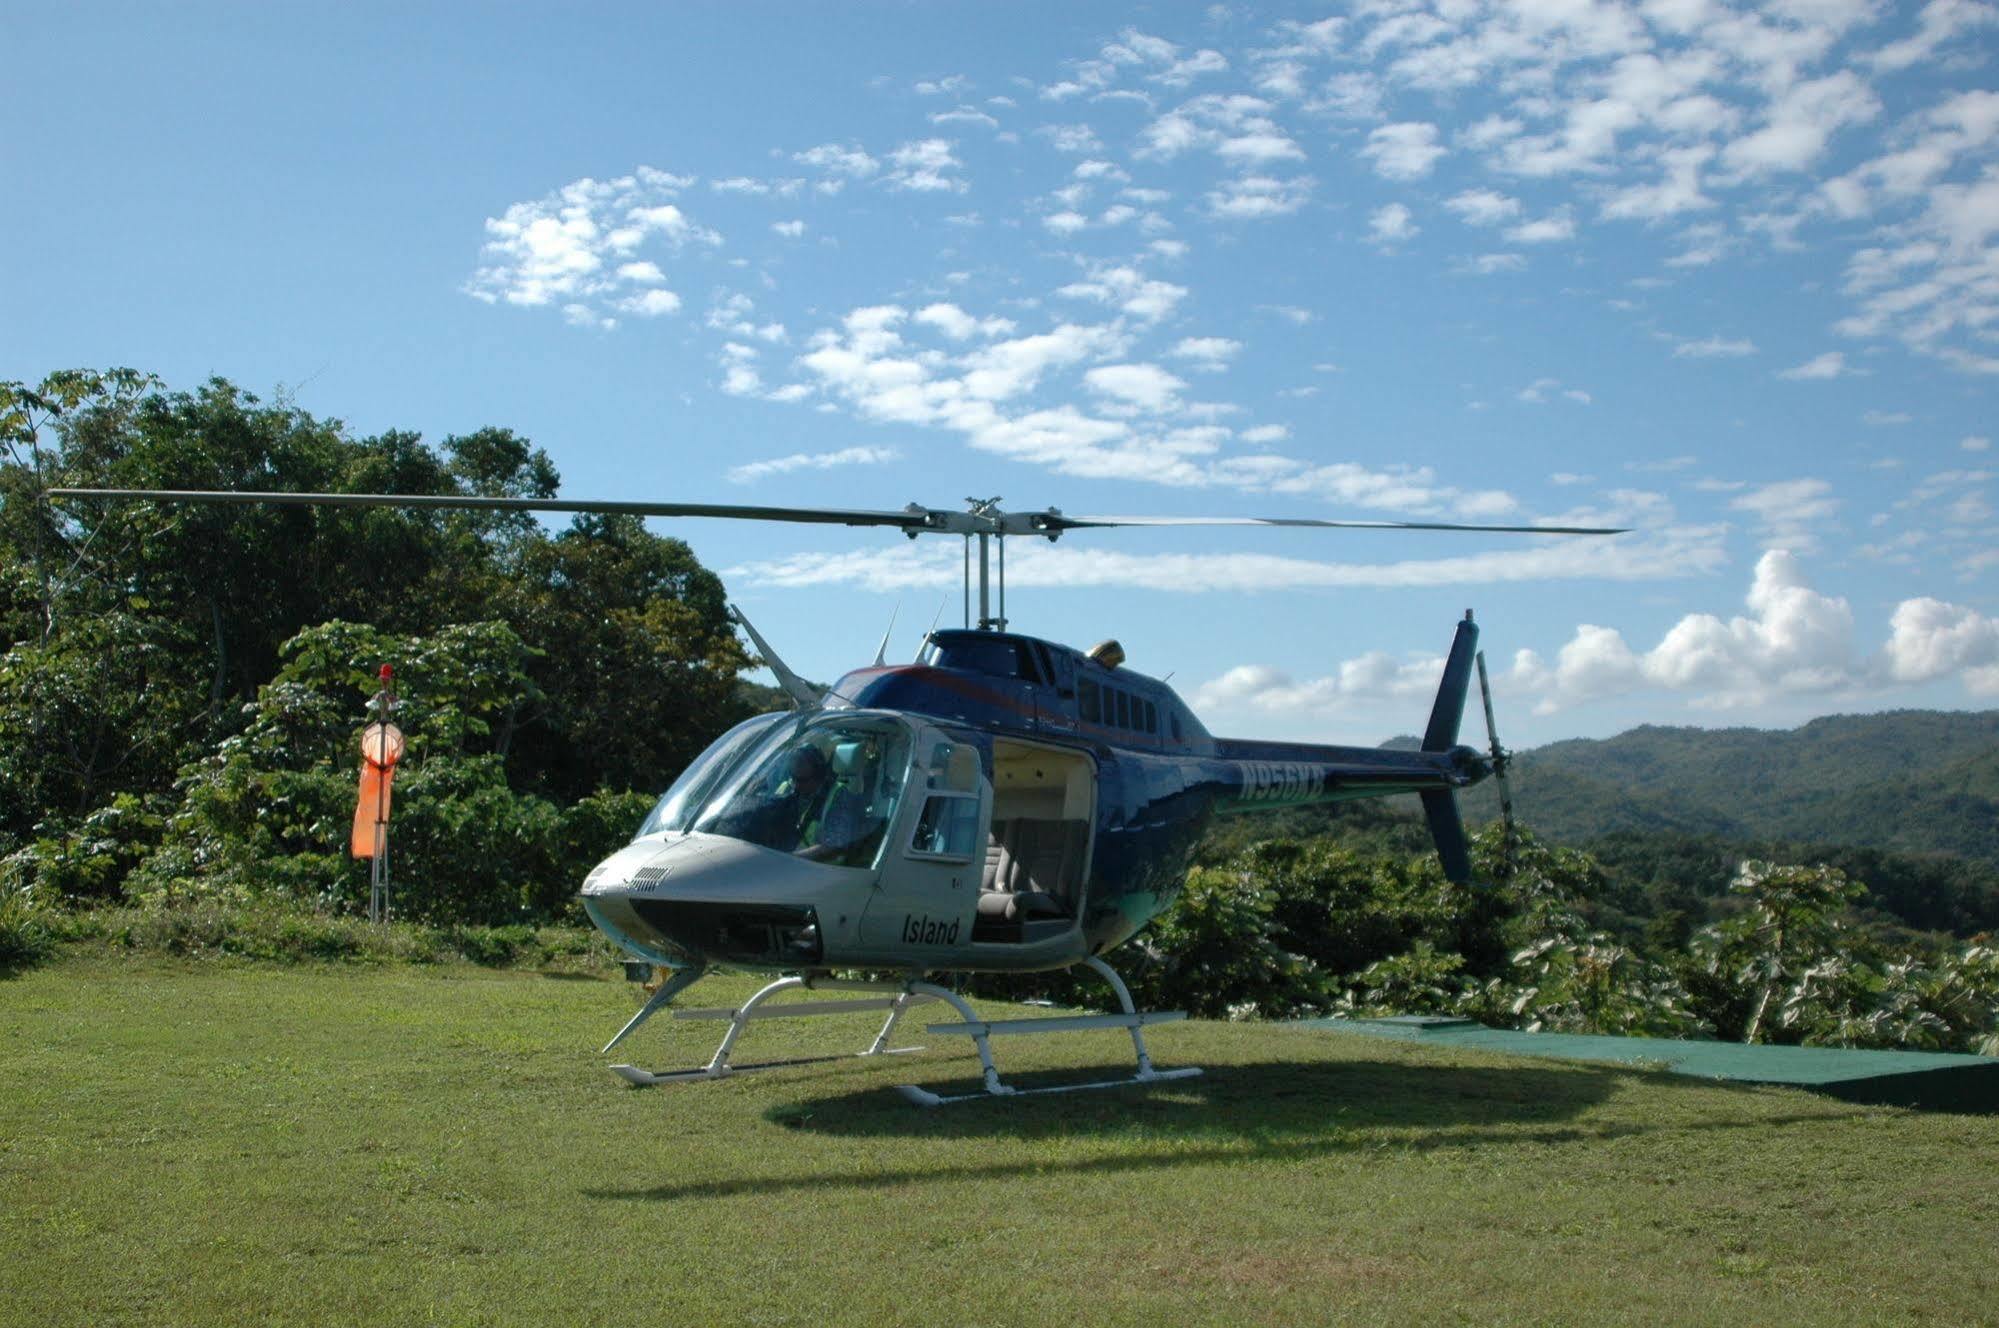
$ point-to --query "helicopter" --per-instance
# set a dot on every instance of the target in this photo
(1002, 804)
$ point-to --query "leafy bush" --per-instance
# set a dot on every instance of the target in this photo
(278, 932)
(26, 936)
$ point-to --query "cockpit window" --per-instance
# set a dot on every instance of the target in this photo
(826, 790)
(705, 773)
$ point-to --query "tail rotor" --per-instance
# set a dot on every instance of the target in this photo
(1501, 758)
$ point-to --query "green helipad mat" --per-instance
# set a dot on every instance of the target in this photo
(1933, 1080)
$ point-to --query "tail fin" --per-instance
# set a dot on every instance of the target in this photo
(1440, 806)
(1442, 734)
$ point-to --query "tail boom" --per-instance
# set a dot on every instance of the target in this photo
(1265, 776)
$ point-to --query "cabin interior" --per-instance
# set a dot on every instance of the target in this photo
(1038, 851)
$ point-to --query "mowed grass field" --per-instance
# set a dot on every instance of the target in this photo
(205, 1142)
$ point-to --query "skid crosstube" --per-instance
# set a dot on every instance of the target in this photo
(899, 998)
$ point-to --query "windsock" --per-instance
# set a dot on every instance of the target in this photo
(381, 748)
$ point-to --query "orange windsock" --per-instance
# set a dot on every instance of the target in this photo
(381, 748)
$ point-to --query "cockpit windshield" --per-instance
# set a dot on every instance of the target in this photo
(706, 773)
(824, 788)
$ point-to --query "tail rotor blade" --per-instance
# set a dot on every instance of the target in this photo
(1500, 756)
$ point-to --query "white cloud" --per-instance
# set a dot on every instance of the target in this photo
(1489, 265)
(1556, 226)
(575, 246)
(1793, 640)
(1129, 289)
(837, 159)
(850, 456)
(1483, 207)
(790, 230)
(1714, 347)
(1258, 197)
(1403, 151)
(1391, 225)
(958, 325)
(925, 166)
(651, 303)
(1832, 364)
(1083, 564)
(1071, 138)
(964, 115)
(1931, 639)
(1787, 511)
(1975, 443)
(1207, 354)
(1145, 387)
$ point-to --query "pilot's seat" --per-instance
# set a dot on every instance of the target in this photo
(1033, 873)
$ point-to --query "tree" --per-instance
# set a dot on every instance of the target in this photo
(1780, 944)
(635, 655)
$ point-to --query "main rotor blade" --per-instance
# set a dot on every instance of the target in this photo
(835, 516)
(1074, 522)
(913, 518)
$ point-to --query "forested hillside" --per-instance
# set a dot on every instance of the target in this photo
(1913, 781)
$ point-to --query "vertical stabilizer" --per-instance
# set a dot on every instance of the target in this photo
(1440, 806)
(1442, 734)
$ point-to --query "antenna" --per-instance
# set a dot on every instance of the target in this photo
(881, 651)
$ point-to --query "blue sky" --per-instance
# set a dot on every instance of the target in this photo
(1725, 274)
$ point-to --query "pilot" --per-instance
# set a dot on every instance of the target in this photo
(826, 819)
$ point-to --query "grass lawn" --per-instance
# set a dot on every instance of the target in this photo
(213, 1142)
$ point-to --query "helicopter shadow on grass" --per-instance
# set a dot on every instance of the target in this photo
(1263, 1111)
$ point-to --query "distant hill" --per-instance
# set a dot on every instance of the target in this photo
(1910, 781)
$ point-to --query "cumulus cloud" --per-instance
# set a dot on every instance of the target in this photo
(1258, 197)
(1392, 225)
(1142, 387)
(1932, 639)
(1793, 639)
(579, 245)
(1483, 207)
(925, 166)
(1788, 510)
(1206, 354)
(1404, 151)
(1832, 364)
(750, 472)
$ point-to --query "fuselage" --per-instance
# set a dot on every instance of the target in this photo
(1004, 804)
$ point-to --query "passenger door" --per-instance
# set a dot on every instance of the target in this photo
(921, 909)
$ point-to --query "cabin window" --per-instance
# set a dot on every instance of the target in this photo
(995, 658)
(1123, 710)
(948, 828)
(1086, 692)
(1151, 718)
(1175, 718)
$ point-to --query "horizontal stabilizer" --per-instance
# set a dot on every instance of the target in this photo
(1440, 808)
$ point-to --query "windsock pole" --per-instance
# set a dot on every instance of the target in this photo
(381, 749)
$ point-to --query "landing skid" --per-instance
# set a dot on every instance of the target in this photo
(904, 996)
(719, 1066)
(981, 1032)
